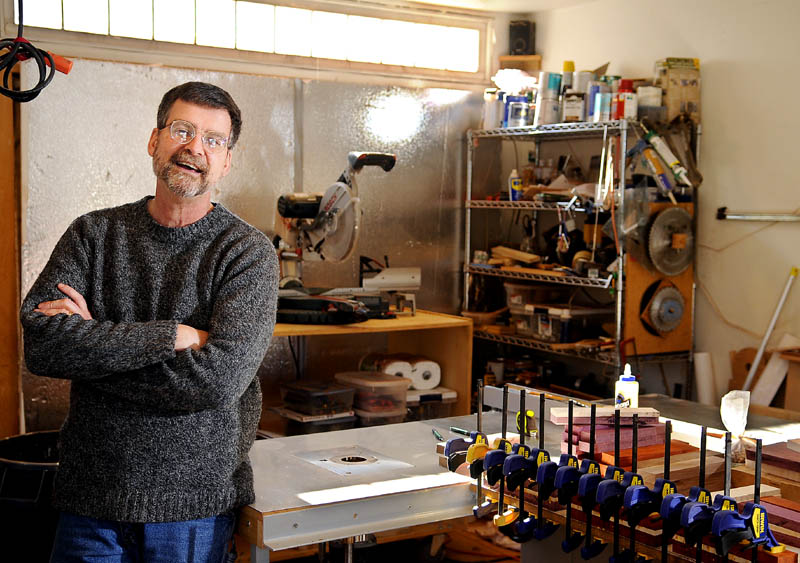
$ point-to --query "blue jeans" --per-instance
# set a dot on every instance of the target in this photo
(80, 539)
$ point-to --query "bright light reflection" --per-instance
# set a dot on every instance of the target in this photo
(172, 21)
(327, 35)
(292, 31)
(39, 13)
(131, 18)
(340, 494)
(394, 118)
(216, 23)
(255, 27)
(514, 80)
(88, 16)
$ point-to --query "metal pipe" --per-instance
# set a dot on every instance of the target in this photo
(770, 328)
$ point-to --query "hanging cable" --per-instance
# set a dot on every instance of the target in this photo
(20, 49)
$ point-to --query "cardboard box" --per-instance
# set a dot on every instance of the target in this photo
(680, 81)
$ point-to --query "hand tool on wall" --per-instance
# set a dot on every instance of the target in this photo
(507, 517)
(544, 529)
(587, 488)
(566, 483)
(672, 505)
(640, 501)
(730, 528)
(697, 517)
(475, 456)
(663, 150)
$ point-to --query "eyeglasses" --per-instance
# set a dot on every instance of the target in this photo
(183, 132)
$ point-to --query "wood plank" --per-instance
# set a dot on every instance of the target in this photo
(784, 502)
(603, 415)
(772, 376)
(746, 493)
(784, 517)
(505, 252)
(778, 455)
(10, 386)
(423, 320)
(683, 470)
(648, 452)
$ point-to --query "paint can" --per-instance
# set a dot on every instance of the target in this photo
(518, 114)
(572, 106)
(581, 80)
(507, 107)
(549, 86)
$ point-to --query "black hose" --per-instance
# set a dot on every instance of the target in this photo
(20, 49)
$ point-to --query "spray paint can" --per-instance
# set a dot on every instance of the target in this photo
(595, 87)
(549, 86)
(602, 107)
(514, 186)
(567, 76)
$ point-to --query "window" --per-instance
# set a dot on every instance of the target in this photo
(372, 35)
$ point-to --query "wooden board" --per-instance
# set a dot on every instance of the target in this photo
(747, 493)
(523, 270)
(648, 452)
(10, 404)
(505, 252)
(779, 455)
(603, 415)
(773, 375)
(741, 360)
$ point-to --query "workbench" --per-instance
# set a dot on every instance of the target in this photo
(303, 500)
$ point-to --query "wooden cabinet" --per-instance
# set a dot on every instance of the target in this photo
(445, 339)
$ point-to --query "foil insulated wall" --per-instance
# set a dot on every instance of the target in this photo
(84, 147)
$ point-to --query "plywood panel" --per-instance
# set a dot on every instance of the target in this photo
(9, 281)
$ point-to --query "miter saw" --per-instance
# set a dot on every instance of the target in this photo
(326, 227)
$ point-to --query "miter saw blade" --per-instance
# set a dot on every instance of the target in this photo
(666, 309)
(670, 241)
(341, 238)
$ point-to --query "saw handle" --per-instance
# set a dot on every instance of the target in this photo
(357, 160)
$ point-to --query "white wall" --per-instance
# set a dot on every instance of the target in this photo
(748, 51)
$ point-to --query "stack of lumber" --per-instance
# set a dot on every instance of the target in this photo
(650, 431)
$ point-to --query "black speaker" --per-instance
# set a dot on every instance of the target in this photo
(520, 37)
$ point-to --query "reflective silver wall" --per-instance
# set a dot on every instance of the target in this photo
(84, 143)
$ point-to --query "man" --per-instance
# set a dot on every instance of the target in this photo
(160, 312)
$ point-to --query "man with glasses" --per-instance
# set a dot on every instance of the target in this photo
(159, 312)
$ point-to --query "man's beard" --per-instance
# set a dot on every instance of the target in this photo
(181, 182)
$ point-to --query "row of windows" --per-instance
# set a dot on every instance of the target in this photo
(266, 28)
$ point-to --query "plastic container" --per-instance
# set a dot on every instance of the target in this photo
(520, 294)
(376, 392)
(315, 397)
(558, 324)
(430, 403)
(371, 418)
(626, 390)
(294, 427)
(28, 464)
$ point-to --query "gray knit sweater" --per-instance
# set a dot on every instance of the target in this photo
(153, 435)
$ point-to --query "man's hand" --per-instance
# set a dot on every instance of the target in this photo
(72, 304)
(188, 337)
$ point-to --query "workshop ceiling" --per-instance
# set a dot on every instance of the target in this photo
(511, 6)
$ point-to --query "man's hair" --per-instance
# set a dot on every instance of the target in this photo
(206, 95)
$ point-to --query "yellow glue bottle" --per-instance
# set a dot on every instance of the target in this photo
(626, 390)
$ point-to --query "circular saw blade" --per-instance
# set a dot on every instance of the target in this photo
(670, 241)
(341, 239)
(666, 309)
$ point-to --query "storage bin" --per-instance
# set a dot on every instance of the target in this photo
(294, 427)
(370, 418)
(430, 403)
(520, 294)
(559, 323)
(376, 392)
(316, 397)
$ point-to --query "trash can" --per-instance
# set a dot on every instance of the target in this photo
(28, 463)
